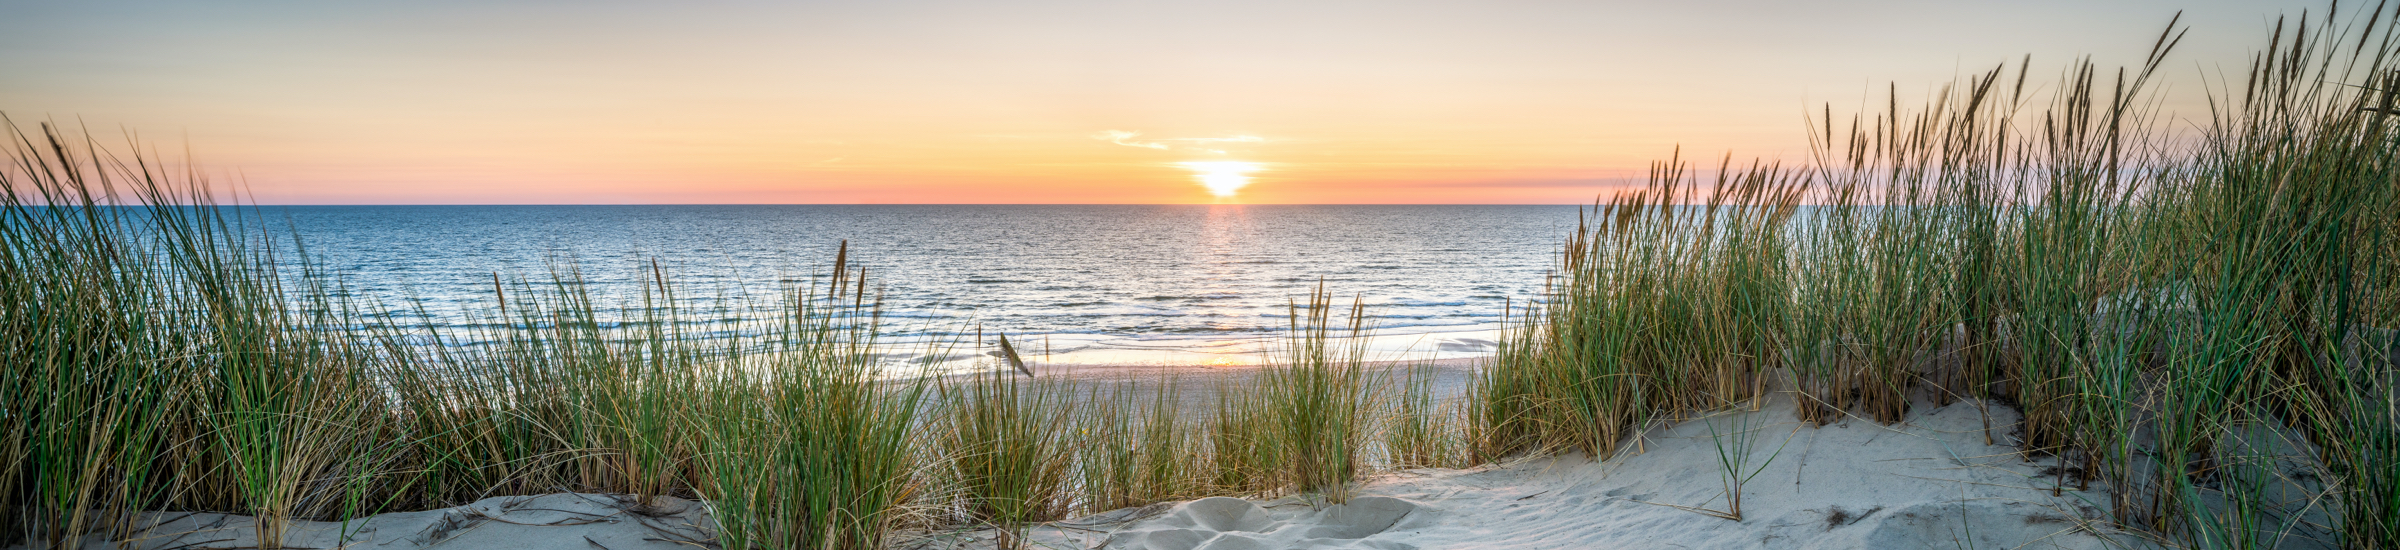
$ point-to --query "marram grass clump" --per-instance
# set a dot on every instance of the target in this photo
(159, 351)
(2150, 300)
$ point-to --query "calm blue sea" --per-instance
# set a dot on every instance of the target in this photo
(1119, 283)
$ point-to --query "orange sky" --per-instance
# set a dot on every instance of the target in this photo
(1019, 102)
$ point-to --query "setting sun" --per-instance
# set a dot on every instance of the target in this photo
(1222, 177)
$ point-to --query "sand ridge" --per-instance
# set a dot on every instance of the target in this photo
(557, 521)
(1928, 482)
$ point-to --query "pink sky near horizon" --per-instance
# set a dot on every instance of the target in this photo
(1065, 101)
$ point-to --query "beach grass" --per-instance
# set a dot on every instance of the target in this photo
(804, 445)
(1244, 455)
(2144, 298)
(1138, 449)
(1318, 397)
(1008, 445)
(1421, 429)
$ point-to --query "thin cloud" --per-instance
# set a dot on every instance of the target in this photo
(1197, 144)
(1121, 137)
(1234, 139)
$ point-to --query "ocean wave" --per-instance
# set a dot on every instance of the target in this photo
(1168, 276)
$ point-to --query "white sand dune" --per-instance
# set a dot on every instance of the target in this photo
(1929, 482)
(562, 521)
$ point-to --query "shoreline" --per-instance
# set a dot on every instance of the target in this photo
(1178, 351)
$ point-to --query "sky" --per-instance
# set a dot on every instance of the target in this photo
(1027, 101)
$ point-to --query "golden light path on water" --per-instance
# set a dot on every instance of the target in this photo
(1222, 177)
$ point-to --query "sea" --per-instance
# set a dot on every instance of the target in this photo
(1093, 284)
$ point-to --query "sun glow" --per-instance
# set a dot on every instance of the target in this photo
(1222, 177)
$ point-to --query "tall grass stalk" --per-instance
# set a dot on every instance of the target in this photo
(805, 447)
(1660, 308)
(1737, 460)
(1318, 397)
(1421, 430)
(1137, 451)
(1245, 454)
(1009, 446)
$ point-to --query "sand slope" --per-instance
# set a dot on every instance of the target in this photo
(563, 521)
(1930, 482)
